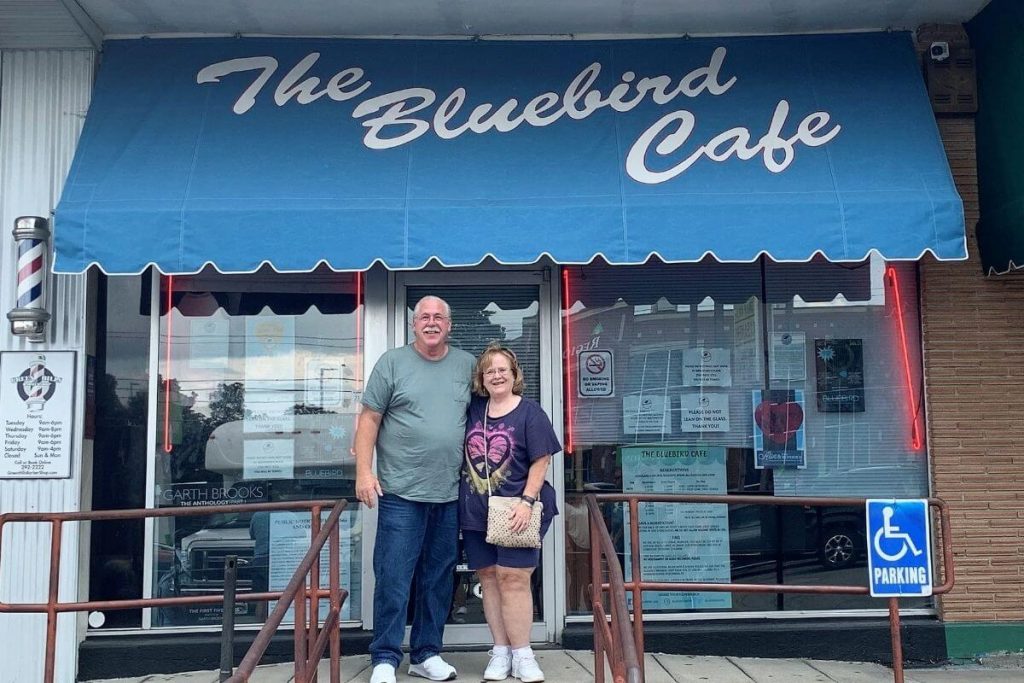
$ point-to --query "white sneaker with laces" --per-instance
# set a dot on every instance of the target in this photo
(383, 673)
(499, 668)
(526, 669)
(434, 669)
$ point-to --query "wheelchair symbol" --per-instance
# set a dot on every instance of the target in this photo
(891, 532)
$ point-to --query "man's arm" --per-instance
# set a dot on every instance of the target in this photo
(367, 486)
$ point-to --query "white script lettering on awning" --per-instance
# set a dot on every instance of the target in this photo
(398, 117)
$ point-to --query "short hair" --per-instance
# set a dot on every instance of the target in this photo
(431, 297)
(482, 363)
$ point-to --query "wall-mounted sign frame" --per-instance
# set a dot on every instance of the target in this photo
(37, 401)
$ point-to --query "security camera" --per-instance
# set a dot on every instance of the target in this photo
(939, 51)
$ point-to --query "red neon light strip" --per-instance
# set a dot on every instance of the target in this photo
(915, 434)
(567, 345)
(168, 446)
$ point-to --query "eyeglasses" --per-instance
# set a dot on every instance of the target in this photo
(492, 372)
(427, 317)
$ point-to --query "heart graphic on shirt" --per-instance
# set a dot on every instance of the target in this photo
(779, 420)
(498, 446)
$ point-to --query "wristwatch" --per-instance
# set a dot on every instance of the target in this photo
(529, 500)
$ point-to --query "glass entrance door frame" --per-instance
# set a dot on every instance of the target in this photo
(551, 391)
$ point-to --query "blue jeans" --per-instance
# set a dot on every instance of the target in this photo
(415, 541)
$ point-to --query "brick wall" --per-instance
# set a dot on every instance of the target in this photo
(973, 331)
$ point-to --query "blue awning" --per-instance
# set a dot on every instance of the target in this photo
(239, 152)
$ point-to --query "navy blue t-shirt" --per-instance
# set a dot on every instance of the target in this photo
(514, 441)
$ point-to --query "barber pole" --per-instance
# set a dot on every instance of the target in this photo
(32, 233)
(30, 273)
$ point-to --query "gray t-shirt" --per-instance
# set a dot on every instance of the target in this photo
(419, 445)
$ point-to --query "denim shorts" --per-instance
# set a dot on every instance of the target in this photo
(481, 554)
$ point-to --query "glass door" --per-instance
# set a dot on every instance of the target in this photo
(512, 308)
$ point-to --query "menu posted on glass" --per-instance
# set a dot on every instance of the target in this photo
(37, 391)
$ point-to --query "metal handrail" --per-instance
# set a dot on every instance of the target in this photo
(604, 640)
(308, 652)
(623, 660)
(53, 606)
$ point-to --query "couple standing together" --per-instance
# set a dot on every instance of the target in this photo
(448, 428)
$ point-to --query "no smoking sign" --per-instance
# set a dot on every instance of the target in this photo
(595, 373)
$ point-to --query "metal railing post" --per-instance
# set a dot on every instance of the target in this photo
(227, 631)
(596, 598)
(334, 567)
(52, 599)
(638, 594)
(897, 640)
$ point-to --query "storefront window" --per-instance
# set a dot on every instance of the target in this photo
(260, 379)
(760, 378)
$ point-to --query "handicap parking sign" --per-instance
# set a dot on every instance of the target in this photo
(899, 548)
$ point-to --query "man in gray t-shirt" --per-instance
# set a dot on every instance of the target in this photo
(414, 412)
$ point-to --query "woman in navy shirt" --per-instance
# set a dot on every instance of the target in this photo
(514, 445)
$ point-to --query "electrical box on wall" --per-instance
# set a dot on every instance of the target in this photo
(952, 83)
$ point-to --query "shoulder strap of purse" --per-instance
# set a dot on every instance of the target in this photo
(487, 465)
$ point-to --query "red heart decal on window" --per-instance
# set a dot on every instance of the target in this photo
(779, 420)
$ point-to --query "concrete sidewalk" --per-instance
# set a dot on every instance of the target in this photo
(564, 666)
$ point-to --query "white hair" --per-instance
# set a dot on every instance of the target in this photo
(428, 298)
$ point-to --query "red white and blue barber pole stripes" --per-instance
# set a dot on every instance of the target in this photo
(30, 273)
(36, 380)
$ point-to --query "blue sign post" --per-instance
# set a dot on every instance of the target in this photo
(899, 548)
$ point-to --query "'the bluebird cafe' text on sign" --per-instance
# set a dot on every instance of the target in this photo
(37, 392)
(899, 548)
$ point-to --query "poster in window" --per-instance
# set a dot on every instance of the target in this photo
(779, 429)
(269, 407)
(269, 373)
(788, 357)
(268, 459)
(645, 414)
(208, 339)
(704, 412)
(285, 541)
(839, 364)
(748, 362)
(703, 367)
(679, 542)
(596, 375)
(325, 383)
(270, 347)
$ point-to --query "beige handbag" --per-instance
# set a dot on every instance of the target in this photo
(499, 512)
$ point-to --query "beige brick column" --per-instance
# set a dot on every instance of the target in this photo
(973, 331)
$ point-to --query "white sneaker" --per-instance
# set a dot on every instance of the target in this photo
(383, 673)
(526, 669)
(499, 668)
(434, 668)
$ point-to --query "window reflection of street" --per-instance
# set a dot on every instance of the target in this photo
(688, 340)
(259, 406)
